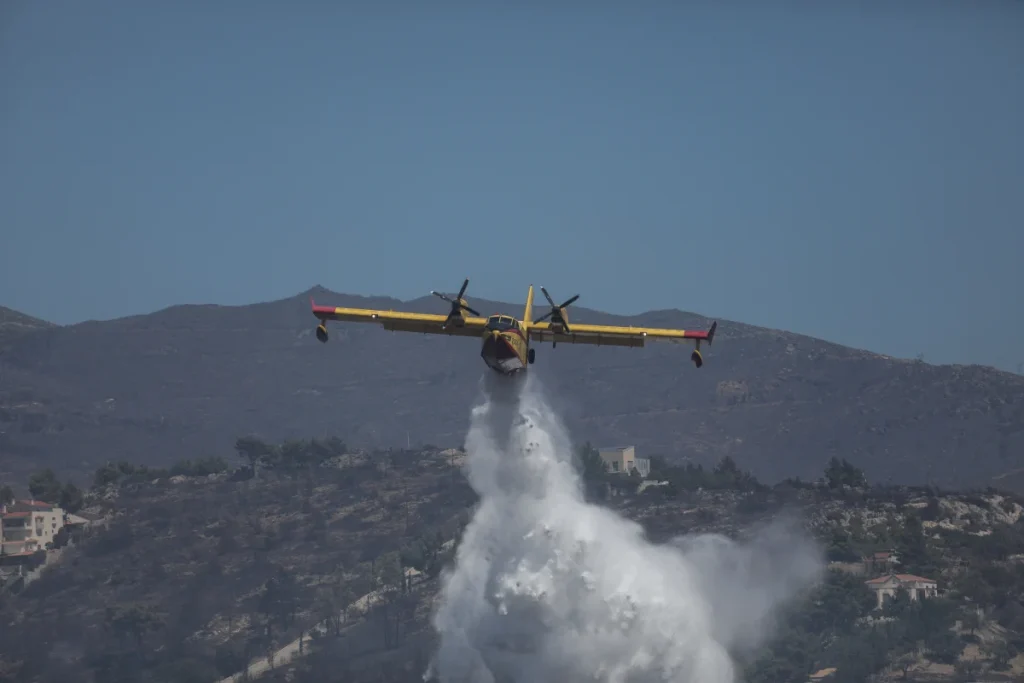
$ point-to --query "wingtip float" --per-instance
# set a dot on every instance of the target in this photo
(505, 339)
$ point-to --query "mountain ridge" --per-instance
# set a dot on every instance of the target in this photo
(186, 380)
(429, 305)
(14, 324)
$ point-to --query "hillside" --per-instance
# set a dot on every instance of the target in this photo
(191, 576)
(186, 381)
(170, 579)
(14, 324)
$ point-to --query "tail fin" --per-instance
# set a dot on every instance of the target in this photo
(528, 312)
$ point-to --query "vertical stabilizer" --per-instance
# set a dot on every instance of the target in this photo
(528, 312)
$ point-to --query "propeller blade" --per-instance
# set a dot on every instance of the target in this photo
(456, 303)
(442, 296)
(546, 315)
(548, 297)
(570, 301)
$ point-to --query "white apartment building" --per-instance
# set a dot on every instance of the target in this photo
(622, 459)
(27, 526)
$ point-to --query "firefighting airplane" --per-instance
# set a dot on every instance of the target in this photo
(506, 341)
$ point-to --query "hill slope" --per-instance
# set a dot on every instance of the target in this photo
(187, 380)
(188, 578)
(14, 324)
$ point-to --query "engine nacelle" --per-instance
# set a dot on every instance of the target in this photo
(321, 333)
(559, 321)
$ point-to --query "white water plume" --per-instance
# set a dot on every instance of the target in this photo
(548, 588)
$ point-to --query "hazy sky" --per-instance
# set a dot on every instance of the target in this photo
(849, 170)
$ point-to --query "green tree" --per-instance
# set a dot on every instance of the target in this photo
(839, 548)
(858, 657)
(728, 475)
(389, 572)
(927, 620)
(903, 662)
(836, 604)
(44, 485)
(592, 471)
(1001, 653)
(293, 455)
(591, 465)
(913, 549)
(840, 473)
(105, 475)
(71, 498)
(6, 495)
(200, 467)
(659, 468)
(279, 600)
(899, 605)
(252, 449)
(944, 647)
(970, 619)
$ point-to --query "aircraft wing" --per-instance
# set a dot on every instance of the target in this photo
(614, 335)
(399, 321)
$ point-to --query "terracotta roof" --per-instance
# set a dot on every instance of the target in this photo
(12, 515)
(31, 504)
(914, 577)
(823, 673)
(902, 578)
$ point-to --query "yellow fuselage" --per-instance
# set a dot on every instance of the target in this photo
(505, 347)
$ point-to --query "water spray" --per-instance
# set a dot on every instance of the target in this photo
(548, 588)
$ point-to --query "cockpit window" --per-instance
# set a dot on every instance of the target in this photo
(501, 323)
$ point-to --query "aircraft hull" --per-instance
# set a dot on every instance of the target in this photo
(504, 353)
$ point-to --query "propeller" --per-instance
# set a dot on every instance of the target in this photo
(556, 312)
(458, 304)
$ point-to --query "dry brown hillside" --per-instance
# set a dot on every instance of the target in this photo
(187, 380)
(189, 577)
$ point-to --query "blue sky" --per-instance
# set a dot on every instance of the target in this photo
(851, 171)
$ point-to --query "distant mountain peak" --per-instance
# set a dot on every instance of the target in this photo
(316, 289)
(9, 316)
(15, 324)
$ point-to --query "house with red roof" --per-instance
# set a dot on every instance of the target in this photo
(28, 526)
(886, 587)
(882, 562)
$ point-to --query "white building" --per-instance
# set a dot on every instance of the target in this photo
(29, 525)
(623, 459)
(886, 587)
